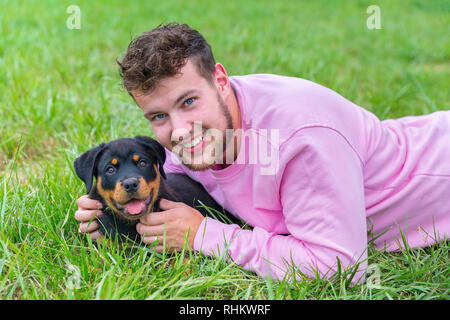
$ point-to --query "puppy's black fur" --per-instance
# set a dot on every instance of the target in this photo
(130, 181)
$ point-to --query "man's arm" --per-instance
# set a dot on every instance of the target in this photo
(322, 194)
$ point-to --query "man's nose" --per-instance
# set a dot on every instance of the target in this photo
(181, 128)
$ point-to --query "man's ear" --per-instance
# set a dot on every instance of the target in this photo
(221, 80)
(158, 150)
(85, 165)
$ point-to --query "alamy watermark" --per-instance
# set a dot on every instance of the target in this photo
(206, 147)
(374, 20)
(373, 279)
(73, 281)
(74, 19)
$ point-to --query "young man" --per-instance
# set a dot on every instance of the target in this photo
(310, 171)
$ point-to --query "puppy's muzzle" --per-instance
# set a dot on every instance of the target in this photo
(130, 185)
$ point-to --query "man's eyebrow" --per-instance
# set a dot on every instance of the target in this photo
(183, 96)
(177, 101)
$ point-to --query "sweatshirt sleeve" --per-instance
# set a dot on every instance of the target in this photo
(320, 182)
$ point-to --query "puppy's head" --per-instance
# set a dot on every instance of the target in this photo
(127, 172)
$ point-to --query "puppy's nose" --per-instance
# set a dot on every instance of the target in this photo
(130, 185)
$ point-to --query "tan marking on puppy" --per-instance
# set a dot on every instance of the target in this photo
(114, 161)
(107, 195)
(136, 158)
(119, 194)
(154, 185)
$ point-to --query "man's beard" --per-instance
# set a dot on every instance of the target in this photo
(224, 137)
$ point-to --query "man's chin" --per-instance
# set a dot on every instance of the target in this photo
(198, 166)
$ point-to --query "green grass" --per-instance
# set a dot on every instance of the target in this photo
(60, 94)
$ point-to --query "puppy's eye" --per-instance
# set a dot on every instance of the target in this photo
(142, 163)
(110, 170)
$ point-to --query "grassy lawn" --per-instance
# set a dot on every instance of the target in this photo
(60, 94)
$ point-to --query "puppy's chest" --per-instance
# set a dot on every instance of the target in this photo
(114, 226)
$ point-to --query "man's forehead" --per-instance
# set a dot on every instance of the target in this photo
(163, 90)
(160, 100)
(167, 90)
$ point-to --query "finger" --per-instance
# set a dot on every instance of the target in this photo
(87, 215)
(146, 230)
(88, 226)
(86, 203)
(167, 204)
(154, 218)
(159, 249)
(150, 239)
(96, 235)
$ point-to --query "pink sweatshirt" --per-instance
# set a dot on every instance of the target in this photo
(328, 176)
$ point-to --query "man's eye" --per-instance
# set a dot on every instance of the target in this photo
(110, 170)
(142, 163)
(189, 101)
(159, 116)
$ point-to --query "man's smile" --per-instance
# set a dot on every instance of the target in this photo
(193, 145)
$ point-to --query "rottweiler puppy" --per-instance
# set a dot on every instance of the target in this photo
(130, 181)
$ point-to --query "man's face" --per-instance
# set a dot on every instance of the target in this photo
(189, 116)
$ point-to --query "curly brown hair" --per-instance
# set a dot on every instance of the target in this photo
(161, 53)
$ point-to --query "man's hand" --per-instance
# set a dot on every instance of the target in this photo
(88, 210)
(175, 222)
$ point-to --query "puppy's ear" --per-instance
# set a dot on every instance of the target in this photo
(85, 165)
(158, 151)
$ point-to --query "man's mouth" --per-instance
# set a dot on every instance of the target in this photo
(194, 145)
(135, 208)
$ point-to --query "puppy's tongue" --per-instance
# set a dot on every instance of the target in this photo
(135, 206)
